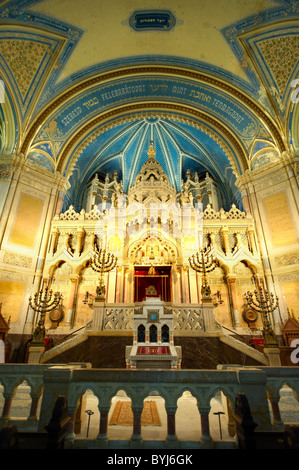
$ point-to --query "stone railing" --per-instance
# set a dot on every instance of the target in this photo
(188, 319)
(73, 381)
(185, 319)
(118, 318)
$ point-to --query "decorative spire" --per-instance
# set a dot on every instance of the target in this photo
(151, 151)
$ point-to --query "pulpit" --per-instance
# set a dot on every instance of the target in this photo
(153, 344)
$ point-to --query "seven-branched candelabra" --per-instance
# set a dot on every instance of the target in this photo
(204, 262)
(44, 301)
(102, 262)
(265, 304)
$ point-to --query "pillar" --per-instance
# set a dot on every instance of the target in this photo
(98, 316)
(193, 286)
(136, 436)
(171, 431)
(159, 334)
(205, 426)
(16, 169)
(198, 283)
(185, 285)
(233, 300)
(126, 284)
(273, 355)
(111, 286)
(208, 316)
(35, 353)
(274, 400)
(103, 430)
(176, 288)
(6, 408)
(119, 284)
(71, 303)
(34, 405)
(70, 430)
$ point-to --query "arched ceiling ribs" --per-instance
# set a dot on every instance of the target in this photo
(133, 169)
(171, 169)
(164, 73)
(89, 167)
(189, 113)
(201, 149)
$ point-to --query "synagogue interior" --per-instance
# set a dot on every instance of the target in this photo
(149, 163)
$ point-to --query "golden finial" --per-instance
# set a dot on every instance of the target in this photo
(151, 151)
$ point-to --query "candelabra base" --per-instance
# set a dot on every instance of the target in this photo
(98, 316)
(208, 315)
(206, 294)
(100, 294)
(273, 354)
(35, 353)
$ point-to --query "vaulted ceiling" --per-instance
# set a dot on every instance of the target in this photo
(89, 84)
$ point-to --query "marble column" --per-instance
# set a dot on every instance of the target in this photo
(233, 298)
(70, 430)
(171, 431)
(118, 290)
(34, 405)
(205, 426)
(136, 437)
(193, 286)
(6, 408)
(103, 430)
(275, 410)
(10, 195)
(185, 284)
(71, 302)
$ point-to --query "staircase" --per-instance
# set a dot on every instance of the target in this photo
(64, 346)
(244, 348)
(81, 337)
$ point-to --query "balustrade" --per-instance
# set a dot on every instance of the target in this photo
(121, 318)
(73, 381)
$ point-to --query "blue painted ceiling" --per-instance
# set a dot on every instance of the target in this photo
(179, 147)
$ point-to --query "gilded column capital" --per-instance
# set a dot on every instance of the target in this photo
(230, 279)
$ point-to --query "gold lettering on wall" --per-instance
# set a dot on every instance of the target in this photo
(11, 294)
(27, 221)
(280, 220)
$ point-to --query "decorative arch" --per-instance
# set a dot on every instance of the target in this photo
(200, 107)
(53, 268)
(144, 238)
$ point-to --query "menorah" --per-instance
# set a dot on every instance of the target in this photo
(102, 262)
(44, 302)
(204, 262)
(264, 304)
